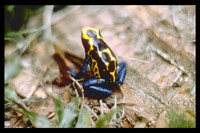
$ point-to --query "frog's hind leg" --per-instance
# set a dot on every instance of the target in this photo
(121, 71)
(93, 88)
(97, 92)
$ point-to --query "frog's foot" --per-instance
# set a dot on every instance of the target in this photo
(72, 73)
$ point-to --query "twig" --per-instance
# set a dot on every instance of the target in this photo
(48, 10)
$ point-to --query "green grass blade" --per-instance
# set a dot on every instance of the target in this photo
(84, 120)
(59, 110)
(11, 69)
(103, 119)
(11, 95)
(38, 121)
(69, 114)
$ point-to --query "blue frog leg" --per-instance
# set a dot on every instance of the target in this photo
(82, 70)
(122, 69)
(94, 88)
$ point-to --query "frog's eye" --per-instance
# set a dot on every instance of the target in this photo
(92, 33)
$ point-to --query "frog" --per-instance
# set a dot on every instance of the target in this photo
(107, 72)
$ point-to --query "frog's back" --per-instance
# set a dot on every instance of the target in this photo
(103, 62)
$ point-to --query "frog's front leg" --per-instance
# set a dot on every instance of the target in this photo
(121, 72)
(82, 70)
(95, 88)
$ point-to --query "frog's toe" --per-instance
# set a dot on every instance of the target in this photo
(73, 74)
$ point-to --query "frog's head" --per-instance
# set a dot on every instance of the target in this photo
(89, 32)
(89, 35)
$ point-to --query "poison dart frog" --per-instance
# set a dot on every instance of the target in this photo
(108, 73)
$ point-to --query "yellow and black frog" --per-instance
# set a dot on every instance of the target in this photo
(104, 66)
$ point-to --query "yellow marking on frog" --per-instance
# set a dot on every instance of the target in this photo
(112, 73)
(95, 69)
(107, 50)
(89, 39)
(91, 47)
(107, 65)
(85, 35)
